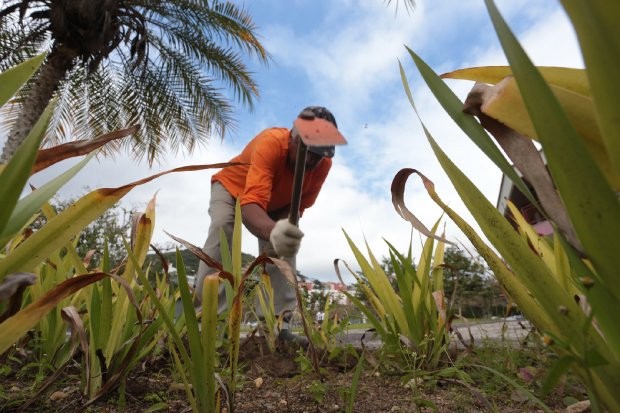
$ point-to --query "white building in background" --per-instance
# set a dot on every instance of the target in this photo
(332, 289)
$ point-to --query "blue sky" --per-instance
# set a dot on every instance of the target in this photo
(344, 54)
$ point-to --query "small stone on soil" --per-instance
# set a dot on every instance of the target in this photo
(58, 395)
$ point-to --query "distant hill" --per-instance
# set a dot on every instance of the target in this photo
(190, 260)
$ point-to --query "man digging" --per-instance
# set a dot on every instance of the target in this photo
(270, 200)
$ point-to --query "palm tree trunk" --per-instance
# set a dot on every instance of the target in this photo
(59, 62)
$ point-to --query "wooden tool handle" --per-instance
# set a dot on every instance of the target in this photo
(298, 181)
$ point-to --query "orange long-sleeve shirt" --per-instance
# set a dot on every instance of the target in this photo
(267, 180)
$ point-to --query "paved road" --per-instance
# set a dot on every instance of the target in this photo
(512, 331)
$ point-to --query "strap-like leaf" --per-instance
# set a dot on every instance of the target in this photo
(14, 176)
(14, 78)
(70, 222)
(16, 326)
(590, 201)
(596, 24)
(454, 107)
(30, 204)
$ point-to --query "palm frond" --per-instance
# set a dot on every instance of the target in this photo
(223, 64)
(173, 67)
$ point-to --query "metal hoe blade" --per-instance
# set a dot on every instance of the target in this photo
(318, 132)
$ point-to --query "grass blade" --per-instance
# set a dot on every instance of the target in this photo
(557, 370)
(354, 383)
(517, 386)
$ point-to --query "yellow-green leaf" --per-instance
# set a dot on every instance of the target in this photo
(16, 326)
(70, 222)
(590, 201)
(12, 80)
(596, 24)
(565, 77)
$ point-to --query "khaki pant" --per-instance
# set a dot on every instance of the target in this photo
(222, 213)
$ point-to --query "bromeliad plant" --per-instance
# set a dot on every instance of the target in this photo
(410, 319)
(574, 116)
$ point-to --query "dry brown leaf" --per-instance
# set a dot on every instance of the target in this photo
(58, 395)
(71, 316)
(200, 254)
(48, 157)
(525, 157)
(398, 193)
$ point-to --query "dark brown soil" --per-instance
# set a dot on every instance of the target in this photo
(271, 383)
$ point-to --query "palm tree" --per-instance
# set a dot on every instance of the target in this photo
(164, 65)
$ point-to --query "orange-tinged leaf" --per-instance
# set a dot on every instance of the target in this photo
(72, 220)
(48, 157)
(199, 253)
(19, 324)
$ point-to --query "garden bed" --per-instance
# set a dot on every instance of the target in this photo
(281, 382)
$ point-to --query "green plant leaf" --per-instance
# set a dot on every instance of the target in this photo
(15, 174)
(354, 383)
(517, 253)
(14, 78)
(454, 107)
(591, 203)
(372, 319)
(27, 206)
(70, 222)
(557, 370)
(16, 326)
(197, 368)
(596, 24)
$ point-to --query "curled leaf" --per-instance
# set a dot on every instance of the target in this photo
(16, 326)
(398, 193)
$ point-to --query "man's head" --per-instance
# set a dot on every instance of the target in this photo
(312, 112)
(315, 153)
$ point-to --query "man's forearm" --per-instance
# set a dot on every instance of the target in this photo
(257, 221)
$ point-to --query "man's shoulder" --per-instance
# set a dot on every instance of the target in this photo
(271, 140)
(275, 133)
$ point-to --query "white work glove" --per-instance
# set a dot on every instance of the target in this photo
(285, 238)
